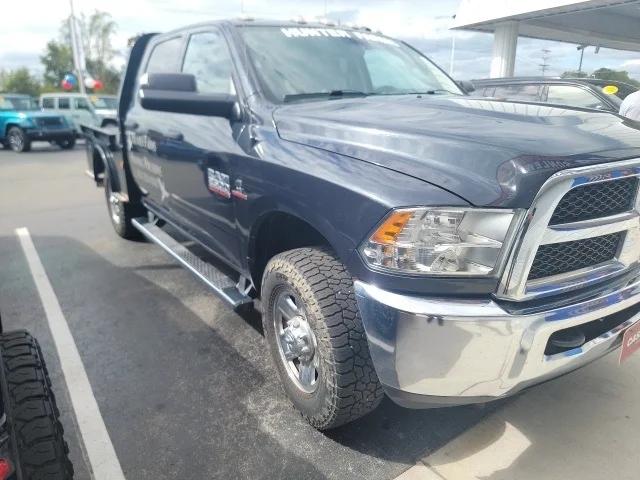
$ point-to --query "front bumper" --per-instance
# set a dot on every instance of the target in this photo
(50, 135)
(433, 352)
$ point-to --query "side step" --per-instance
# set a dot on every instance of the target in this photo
(214, 278)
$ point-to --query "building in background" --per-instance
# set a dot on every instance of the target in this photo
(599, 23)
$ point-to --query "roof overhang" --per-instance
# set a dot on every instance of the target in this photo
(605, 23)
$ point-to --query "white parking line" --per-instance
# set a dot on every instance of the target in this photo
(102, 456)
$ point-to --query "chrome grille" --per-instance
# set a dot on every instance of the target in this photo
(596, 200)
(582, 228)
(559, 258)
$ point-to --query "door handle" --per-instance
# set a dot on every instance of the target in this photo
(174, 135)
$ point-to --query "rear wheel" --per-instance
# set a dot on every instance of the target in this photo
(312, 325)
(36, 434)
(67, 143)
(18, 140)
(120, 213)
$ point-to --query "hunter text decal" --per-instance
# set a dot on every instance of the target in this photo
(307, 32)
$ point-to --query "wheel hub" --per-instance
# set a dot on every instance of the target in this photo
(296, 342)
(115, 207)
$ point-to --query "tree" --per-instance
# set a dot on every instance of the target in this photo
(57, 61)
(574, 74)
(19, 81)
(97, 32)
(615, 75)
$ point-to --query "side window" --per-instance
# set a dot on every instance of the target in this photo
(165, 57)
(572, 97)
(63, 103)
(80, 103)
(489, 92)
(525, 93)
(48, 102)
(208, 59)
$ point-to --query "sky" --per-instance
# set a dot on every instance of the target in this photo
(423, 23)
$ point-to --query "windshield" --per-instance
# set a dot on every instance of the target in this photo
(304, 62)
(17, 103)
(110, 103)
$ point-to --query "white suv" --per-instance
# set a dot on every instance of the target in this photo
(95, 110)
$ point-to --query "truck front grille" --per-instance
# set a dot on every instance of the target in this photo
(558, 258)
(596, 200)
(582, 228)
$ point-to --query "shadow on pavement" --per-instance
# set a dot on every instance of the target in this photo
(184, 399)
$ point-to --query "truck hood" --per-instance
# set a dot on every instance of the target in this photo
(490, 153)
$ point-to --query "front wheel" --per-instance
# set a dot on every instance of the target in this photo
(313, 328)
(18, 140)
(67, 143)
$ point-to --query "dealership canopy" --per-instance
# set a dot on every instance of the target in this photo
(600, 23)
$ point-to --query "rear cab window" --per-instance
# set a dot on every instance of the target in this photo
(573, 96)
(521, 92)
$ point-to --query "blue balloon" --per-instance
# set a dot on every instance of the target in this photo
(71, 79)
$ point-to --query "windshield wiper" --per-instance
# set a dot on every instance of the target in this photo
(331, 94)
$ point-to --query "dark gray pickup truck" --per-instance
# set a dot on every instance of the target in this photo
(399, 236)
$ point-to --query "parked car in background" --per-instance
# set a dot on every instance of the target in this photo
(98, 110)
(22, 122)
(573, 92)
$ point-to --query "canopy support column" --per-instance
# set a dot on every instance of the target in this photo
(505, 41)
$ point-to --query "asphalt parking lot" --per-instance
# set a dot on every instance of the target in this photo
(187, 390)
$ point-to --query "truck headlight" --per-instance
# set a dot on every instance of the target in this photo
(440, 241)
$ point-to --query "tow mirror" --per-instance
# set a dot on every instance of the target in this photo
(466, 86)
(178, 93)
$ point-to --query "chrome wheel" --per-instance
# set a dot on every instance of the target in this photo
(115, 208)
(296, 341)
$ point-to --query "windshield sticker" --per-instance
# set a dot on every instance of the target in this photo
(305, 32)
(610, 89)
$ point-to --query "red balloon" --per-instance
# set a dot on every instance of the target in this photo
(98, 86)
(66, 85)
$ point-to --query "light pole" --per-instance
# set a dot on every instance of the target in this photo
(581, 49)
(453, 50)
(76, 48)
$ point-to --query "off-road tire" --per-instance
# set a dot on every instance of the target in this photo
(24, 144)
(348, 385)
(37, 436)
(122, 224)
(67, 143)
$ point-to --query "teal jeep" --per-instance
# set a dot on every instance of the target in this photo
(21, 123)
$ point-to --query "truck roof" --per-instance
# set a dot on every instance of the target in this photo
(242, 22)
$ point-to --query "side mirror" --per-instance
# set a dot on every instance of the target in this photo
(466, 86)
(177, 93)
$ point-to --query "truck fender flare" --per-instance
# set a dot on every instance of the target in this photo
(109, 165)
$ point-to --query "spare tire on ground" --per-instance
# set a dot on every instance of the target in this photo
(32, 445)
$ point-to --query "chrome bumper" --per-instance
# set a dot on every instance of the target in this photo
(430, 352)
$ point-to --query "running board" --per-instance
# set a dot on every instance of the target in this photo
(218, 281)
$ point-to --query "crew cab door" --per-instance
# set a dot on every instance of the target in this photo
(145, 129)
(199, 151)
